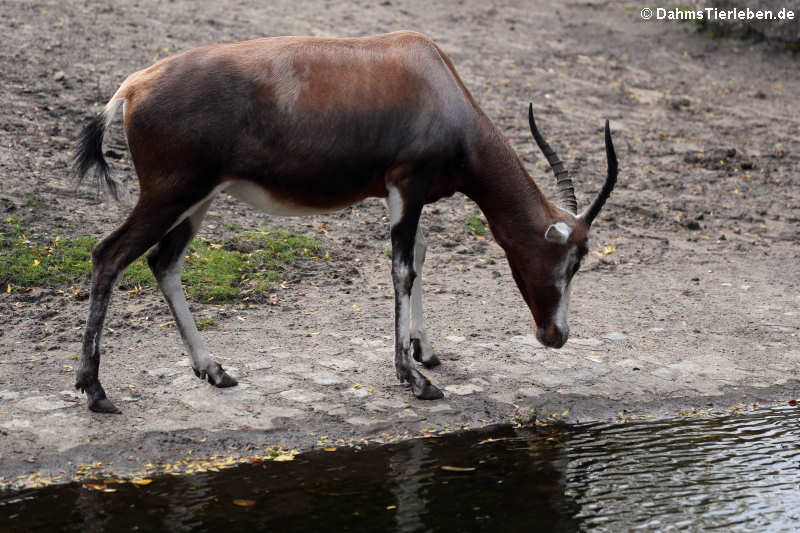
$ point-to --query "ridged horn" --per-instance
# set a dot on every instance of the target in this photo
(591, 213)
(566, 191)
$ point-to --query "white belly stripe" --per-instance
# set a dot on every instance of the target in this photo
(258, 197)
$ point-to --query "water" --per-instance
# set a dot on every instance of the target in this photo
(724, 473)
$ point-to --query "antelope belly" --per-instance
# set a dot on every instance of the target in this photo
(260, 198)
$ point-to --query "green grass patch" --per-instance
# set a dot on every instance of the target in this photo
(212, 274)
(244, 265)
(28, 264)
(267, 254)
(476, 225)
(205, 323)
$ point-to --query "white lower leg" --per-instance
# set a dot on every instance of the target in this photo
(170, 285)
(402, 327)
(404, 222)
(417, 319)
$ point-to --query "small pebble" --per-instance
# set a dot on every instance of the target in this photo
(464, 389)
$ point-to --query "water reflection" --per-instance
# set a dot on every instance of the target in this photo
(410, 474)
(728, 473)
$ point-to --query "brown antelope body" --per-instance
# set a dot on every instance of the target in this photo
(302, 125)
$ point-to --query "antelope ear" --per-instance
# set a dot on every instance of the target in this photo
(558, 233)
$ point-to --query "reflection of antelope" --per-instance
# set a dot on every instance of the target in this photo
(300, 125)
(411, 474)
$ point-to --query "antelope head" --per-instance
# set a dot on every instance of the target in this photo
(544, 270)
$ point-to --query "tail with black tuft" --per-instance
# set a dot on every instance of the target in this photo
(89, 155)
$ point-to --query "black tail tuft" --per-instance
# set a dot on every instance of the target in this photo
(90, 155)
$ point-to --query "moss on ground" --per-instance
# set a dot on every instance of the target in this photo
(245, 264)
(476, 225)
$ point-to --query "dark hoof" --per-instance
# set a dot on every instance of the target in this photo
(416, 350)
(103, 405)
(226, 381)
(98, 402)
(431, 362)
(223, 380)
(200, 374)
(429, 392)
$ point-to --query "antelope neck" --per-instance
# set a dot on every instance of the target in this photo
(509, 198)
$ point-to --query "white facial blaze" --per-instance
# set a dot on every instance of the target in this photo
(561, 315)
(564, 285)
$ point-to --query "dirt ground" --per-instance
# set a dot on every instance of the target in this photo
(688, 300)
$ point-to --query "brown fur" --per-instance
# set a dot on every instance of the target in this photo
(319, 124)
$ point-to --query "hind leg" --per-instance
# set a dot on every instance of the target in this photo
(110, 257)
(166, 261)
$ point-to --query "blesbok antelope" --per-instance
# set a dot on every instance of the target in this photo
(303, 125)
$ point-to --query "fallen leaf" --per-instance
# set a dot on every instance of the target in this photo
(459, 468)
(141, 481)
(390, 507)
(329, 449)
(244, 503)
(95, 486)
(283, 458)
(36, 262)
(609, 250)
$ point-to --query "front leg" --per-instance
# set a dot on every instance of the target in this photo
(405, 213)
(421, 346)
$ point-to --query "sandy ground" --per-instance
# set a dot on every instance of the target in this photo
(688, 300)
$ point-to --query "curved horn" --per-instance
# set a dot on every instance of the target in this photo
(566, 191)
(589, 215)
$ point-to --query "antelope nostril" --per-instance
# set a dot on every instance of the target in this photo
(552, 336)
